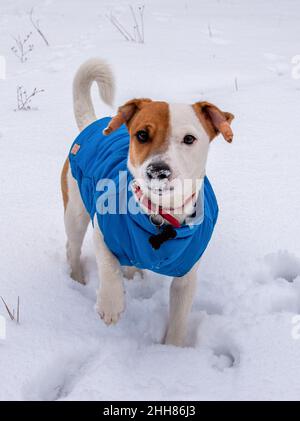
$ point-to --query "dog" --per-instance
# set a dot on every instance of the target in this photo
(158, 147)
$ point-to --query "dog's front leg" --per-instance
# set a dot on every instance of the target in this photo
(181, 299)
(110, 295)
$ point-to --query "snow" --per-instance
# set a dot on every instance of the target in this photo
(240, 343)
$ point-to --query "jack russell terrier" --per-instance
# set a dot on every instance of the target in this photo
(140, 178)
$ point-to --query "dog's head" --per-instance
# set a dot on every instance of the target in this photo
(169, 145)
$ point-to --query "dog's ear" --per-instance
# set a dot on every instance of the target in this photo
(214, 120)
(125, 114)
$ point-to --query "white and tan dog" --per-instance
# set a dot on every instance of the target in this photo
(169, 144)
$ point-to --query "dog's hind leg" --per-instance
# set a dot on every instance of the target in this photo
(181, 299)
(76, 222)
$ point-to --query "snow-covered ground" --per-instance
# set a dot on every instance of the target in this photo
(240, 345)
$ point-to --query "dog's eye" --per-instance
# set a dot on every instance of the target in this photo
(189, 139)
(142, 136)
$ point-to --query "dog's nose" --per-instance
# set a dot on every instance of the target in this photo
(158, 171)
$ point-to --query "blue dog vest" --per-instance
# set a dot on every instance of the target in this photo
(96, 161)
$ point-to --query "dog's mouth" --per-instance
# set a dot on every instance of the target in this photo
(161, 191)
(167, 196)
(189, 200)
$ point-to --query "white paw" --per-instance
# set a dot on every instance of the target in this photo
(174, 339)
(111, 304)
(76, 268)
(175, 335)
(130, 271)
(77, 275)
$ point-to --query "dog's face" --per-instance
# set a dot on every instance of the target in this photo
(169, 145)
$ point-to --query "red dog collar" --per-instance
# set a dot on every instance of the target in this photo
(146, 202)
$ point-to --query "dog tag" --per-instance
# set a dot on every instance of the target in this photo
(156, 220)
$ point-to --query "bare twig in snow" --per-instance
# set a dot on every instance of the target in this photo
(236, 84)
(141, 10)
(121, 28)
(18, 310)
(138, 26)
(209, 30)
(22, 48)
(24, 99)
(7, 309)
(36, 25)
(11, 313)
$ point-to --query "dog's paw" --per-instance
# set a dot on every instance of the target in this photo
(130, 271)
(173, 340)
(77, 275)
(111, 304)
(174, 337)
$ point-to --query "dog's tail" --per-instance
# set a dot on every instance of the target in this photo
(93, 70)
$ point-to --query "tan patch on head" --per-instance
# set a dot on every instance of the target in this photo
(64, 183)
(125, 114)
(143, 114)
(154, 118)
(214, 120)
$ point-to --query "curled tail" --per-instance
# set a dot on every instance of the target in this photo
(93, 70)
